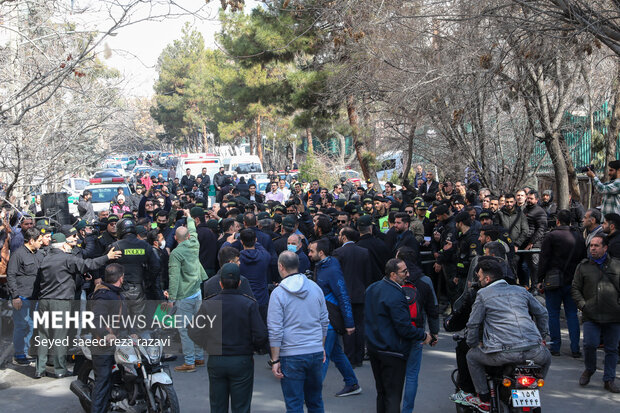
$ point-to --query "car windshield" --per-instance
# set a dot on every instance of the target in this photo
(106, 194)
(80, 184)
(247, 168)
(107, 174)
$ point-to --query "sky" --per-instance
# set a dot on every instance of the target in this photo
(136, 47)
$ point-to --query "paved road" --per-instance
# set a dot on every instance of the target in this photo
(560, 394)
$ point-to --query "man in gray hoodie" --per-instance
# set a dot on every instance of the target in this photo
(297, 321)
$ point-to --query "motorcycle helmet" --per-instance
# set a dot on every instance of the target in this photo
(124, 227)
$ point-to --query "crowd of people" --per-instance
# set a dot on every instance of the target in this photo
(347, 274)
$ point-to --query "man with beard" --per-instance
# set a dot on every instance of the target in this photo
(512, 218)
(537, 222)
(356, 268)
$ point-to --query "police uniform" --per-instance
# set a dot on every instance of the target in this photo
(139, 261)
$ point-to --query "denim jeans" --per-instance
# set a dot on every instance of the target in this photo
(477, 360)
(554, 300)
(411, 376)
(302, 381)
(333, 351)
(22, 328)
(188, 307)
(592, 338)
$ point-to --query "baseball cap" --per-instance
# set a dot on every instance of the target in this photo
(58, 238)
(364, 221)
(197, 212)
(68, 231)
(230, 271)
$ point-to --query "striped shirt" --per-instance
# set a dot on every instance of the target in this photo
(611, 195)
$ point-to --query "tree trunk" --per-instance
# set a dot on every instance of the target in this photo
(559, 168)
(611, 140)
(259, 140)
(205, 143)
(573, 181)
(409, 153)
(251, 144)
(358, 144)
(309, 139)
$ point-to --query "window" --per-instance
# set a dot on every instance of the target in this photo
(248, 168)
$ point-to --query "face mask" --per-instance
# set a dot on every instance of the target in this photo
(162, 225)
(162, 244)
(291, 248)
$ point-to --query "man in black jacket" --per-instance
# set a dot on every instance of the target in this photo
(389, 334)
(357, 273)
(207, 240)
(21, 275)
(611, 227)
(562, 249)
(206, 181)
(378, 252)
(188, 180)
(537, 221)
(429, 189)
(218, 181)
(237, 331)
(58, 272)
(404, 237)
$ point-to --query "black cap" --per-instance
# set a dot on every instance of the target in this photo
(263, 215)
(141, 230)
(112, 218)
(288, 222)
(368, 181)
(422, 205)
(128, 215)
(364, 221)
(485, 214)
(197, 212)
(367, 201)
(350, 208)
(213, 224)
(313, 209)
(68, 231)
(81, 225)
(44, 226)
(230, 271)
(340, 203)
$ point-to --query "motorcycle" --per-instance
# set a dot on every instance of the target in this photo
(514, 388)
(141, 383)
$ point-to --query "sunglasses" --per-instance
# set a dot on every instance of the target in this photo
(341, 221)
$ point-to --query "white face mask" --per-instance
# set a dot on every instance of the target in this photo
(162, 244)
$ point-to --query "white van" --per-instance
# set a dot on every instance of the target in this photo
(195, 162)
(390, 162)
(244, 165)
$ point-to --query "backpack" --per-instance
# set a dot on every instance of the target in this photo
(411, 294)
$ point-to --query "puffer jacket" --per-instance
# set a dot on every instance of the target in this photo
(537, 221)
(502, 316)
(596, 290)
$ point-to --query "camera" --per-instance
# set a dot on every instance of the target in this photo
(586, 168)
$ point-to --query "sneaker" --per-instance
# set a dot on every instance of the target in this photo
(185, 368)
(21, 361)
(199, 363)
(349, 391)
(478, 404)
(461, 397)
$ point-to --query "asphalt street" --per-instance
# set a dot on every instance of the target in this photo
(561, 393)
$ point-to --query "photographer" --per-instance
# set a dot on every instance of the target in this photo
(610, 190)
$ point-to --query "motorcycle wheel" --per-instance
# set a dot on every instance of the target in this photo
(83, 376)
(166, 398)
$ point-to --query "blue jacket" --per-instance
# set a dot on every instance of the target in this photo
(387, 320)
(254, 265)
(304, 262)
(329, 277)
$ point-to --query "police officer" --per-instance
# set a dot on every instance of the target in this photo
(57, 285)
(468, 247)
(138, 260)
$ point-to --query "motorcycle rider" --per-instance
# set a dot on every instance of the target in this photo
(500, 306)
(138, 260)
(106, 301)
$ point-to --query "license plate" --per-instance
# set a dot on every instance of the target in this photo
(525, 398)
